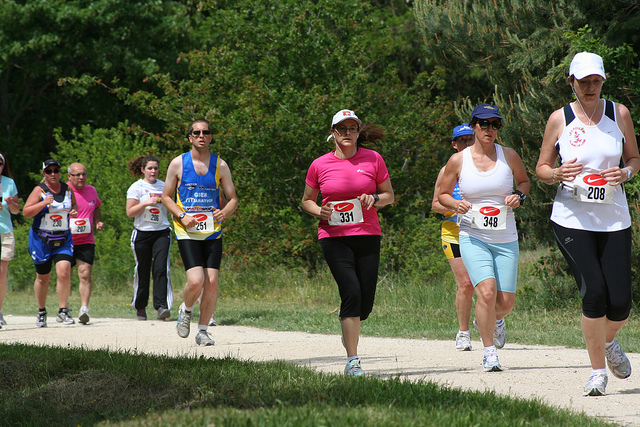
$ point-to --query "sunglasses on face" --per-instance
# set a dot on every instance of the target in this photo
(50, 171)
(204, 132)
(484, 124)
(1, 164)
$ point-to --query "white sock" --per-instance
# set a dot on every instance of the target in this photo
(607, 345)
(189, 309)
(500, 322)
(349, 359)
(202, 327)
(599, 371)
(464, 332)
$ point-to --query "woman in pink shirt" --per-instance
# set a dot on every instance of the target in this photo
(353, 181)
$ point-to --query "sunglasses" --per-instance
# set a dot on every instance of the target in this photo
(50, 171)
(75, 175)
(1, 164)
(204, 132)
(484, 124)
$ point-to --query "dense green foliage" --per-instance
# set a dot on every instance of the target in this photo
(269, 76)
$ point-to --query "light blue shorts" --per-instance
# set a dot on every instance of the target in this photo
(497, 261)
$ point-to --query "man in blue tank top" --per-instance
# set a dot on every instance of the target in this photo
(200, 181)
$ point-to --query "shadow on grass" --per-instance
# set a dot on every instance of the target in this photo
(71, 387)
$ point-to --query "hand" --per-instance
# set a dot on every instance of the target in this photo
(153, 200)
(73, 213)
(326, 211)
(188, 221)
(463, 207)
(512, 200)
(100, 225)
(568, 171)
(615, 175)
(219, 215)
(48, 199)
(367, 200)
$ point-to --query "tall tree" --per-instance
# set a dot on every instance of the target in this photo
(42, 42)
(524, 48)
(270, 83)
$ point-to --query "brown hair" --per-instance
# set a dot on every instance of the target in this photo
(6, 171)
(190, 131)
(137, 164)
(370, 134)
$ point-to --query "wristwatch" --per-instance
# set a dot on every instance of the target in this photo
(376, 198)
(182, 215)
(521, 196)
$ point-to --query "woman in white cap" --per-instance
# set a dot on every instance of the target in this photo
(486, 173)
(354, 181)
(463, 137)
(50, 204)
(590, 216)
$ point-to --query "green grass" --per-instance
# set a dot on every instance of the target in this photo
(71, 387)
(79, 387)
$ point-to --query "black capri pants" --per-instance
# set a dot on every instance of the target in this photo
(354, 262)
(601, 265)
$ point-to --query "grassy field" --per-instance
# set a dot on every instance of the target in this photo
(49, 386)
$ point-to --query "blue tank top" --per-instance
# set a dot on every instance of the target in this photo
(198, 196)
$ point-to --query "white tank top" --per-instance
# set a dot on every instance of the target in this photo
(597, 147)
(482, 188)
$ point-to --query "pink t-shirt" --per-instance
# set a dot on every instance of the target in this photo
(87, 200)
(340, 179)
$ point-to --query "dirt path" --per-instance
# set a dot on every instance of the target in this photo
(555, 375)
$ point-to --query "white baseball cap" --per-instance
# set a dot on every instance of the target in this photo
(585, 64)
(343, 115)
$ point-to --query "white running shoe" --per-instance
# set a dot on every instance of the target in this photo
(84, 315)
(353, 368)
(41, 320)
(617, 361)
(184, 322)
(463, 341)
(65, 318)
(203, 338)
(596, 385)
(491, 362)
(212, 321)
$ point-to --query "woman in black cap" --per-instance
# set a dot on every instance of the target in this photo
(486, 173)
(590, 216)
(50, 204)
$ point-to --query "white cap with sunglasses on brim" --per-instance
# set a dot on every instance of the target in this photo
(50, 162)
(341, 116)
(585, 64)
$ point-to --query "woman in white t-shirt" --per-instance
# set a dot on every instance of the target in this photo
(150, 240)
(598, 151)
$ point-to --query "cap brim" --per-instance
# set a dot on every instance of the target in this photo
(589, 72)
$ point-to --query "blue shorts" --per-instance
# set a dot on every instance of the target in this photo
(41, 253)
(497, 261)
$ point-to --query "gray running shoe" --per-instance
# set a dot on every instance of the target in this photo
(203, 338)
(617, 361)
(184, 321)
(65, 318)
(212, 321)
(499, 336)
(41, 320)
(84, 315)
(353, 368)
(491, 363)
(463, 341)
(596, 385)
(141, 314)
(163, 313)
(2, 321)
